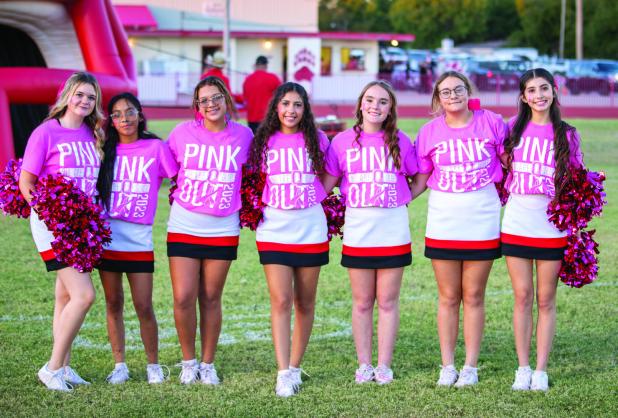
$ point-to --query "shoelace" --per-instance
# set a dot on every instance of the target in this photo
(366, 372)
(59, 377)
(466, 374)
(287, 381)
(162, 369)
(381, 373)
(114, 373)
(195, 368)
(449, 372)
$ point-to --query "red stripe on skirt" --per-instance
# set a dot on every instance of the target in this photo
(293, 248)
(128, 255)
(534, 242)
(462, 245)
(192, 239)
(48, 255)
(377, 251)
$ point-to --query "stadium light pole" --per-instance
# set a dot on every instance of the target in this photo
(226, 33)
(579, 29)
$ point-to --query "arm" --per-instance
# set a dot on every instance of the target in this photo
(27, 181)
(329, 181)
(419, 184)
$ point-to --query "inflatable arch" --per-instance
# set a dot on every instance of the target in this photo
(44, 42)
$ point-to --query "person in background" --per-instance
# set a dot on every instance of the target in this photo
(257, 90)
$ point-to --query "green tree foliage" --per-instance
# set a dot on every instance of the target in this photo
(355, 15)
(502, 19)
(601, 30)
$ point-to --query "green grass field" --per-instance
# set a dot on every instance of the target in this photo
(582, 369)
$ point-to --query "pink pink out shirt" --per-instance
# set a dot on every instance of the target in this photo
(139, 169)
(461, 159)
(210, 166)
(71, 152)
(291, 182)
(369, 175)
(533, 164)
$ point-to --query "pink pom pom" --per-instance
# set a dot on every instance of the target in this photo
(12, 202)
(74, 219)
(334, 209)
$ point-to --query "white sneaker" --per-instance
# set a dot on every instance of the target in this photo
(523, 375)
(155, 374)
(383, 375)
(467, 377)
(286, 386)
(119, 375)
(208, 374)
(190, 372)
(71, 376)
(296, 372)
(364, 373)
(539, 381)
(54, 380)
(448, 375)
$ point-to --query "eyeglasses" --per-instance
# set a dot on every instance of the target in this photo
(215, 100)
(129, 114)
(446, 93)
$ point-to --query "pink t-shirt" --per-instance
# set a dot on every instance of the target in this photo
(461, 159)
(369, 176)
(533, 160)
(291, 182)
(210, 166)
(53, 149)
(139, 169)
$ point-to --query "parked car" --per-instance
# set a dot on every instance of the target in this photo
(491, 75)
(404, 77)
(588, 76)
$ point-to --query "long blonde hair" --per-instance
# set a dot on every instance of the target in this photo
(95, 119)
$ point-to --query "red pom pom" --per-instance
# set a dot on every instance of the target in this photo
(12, 202)
(251, 189)
(580, 264)
(503, 192)
(334, 209)
(74, 219)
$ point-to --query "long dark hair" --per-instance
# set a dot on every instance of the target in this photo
(562, 151)
(391, 132)
(106, 172)
(271, 125)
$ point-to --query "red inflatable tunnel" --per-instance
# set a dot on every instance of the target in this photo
(106, 55)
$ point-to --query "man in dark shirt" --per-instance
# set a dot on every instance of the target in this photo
(258, 89)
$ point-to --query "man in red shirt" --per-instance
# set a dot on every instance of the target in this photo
(258, 89)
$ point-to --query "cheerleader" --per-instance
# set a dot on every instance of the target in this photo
(292, 238)
(135, 162)
(373, 159)
(203, 227)
(458, 160)
(538, 152)
(67, 142)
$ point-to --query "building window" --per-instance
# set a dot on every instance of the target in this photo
(326, 60)
(352, 59)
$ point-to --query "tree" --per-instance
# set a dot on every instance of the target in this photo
(355, 15)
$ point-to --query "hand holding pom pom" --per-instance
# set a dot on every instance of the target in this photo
(251, 189)
(334, 209)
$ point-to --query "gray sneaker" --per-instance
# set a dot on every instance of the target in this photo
(54, 380)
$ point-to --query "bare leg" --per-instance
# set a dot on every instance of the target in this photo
(81, 297)
(363, 283)
(520, 270)
(305, 289)
(448, 276)
(214, 273)
(474, 281)
(185, 274)
(281, 291)
(546, 284)
(388, 285)
(61, 299)
(141, 291)
(114, 305)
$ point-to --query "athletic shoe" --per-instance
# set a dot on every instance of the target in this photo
(71, 376)
(467, 377)
(190, 372)
(208, 374)
(523, 375)
(155, 373)
(539, 381)
(119, 375)
(286, 386)
(296, 372)
(364, 373)
(383, 375)
(54, 380)
(448, 375)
